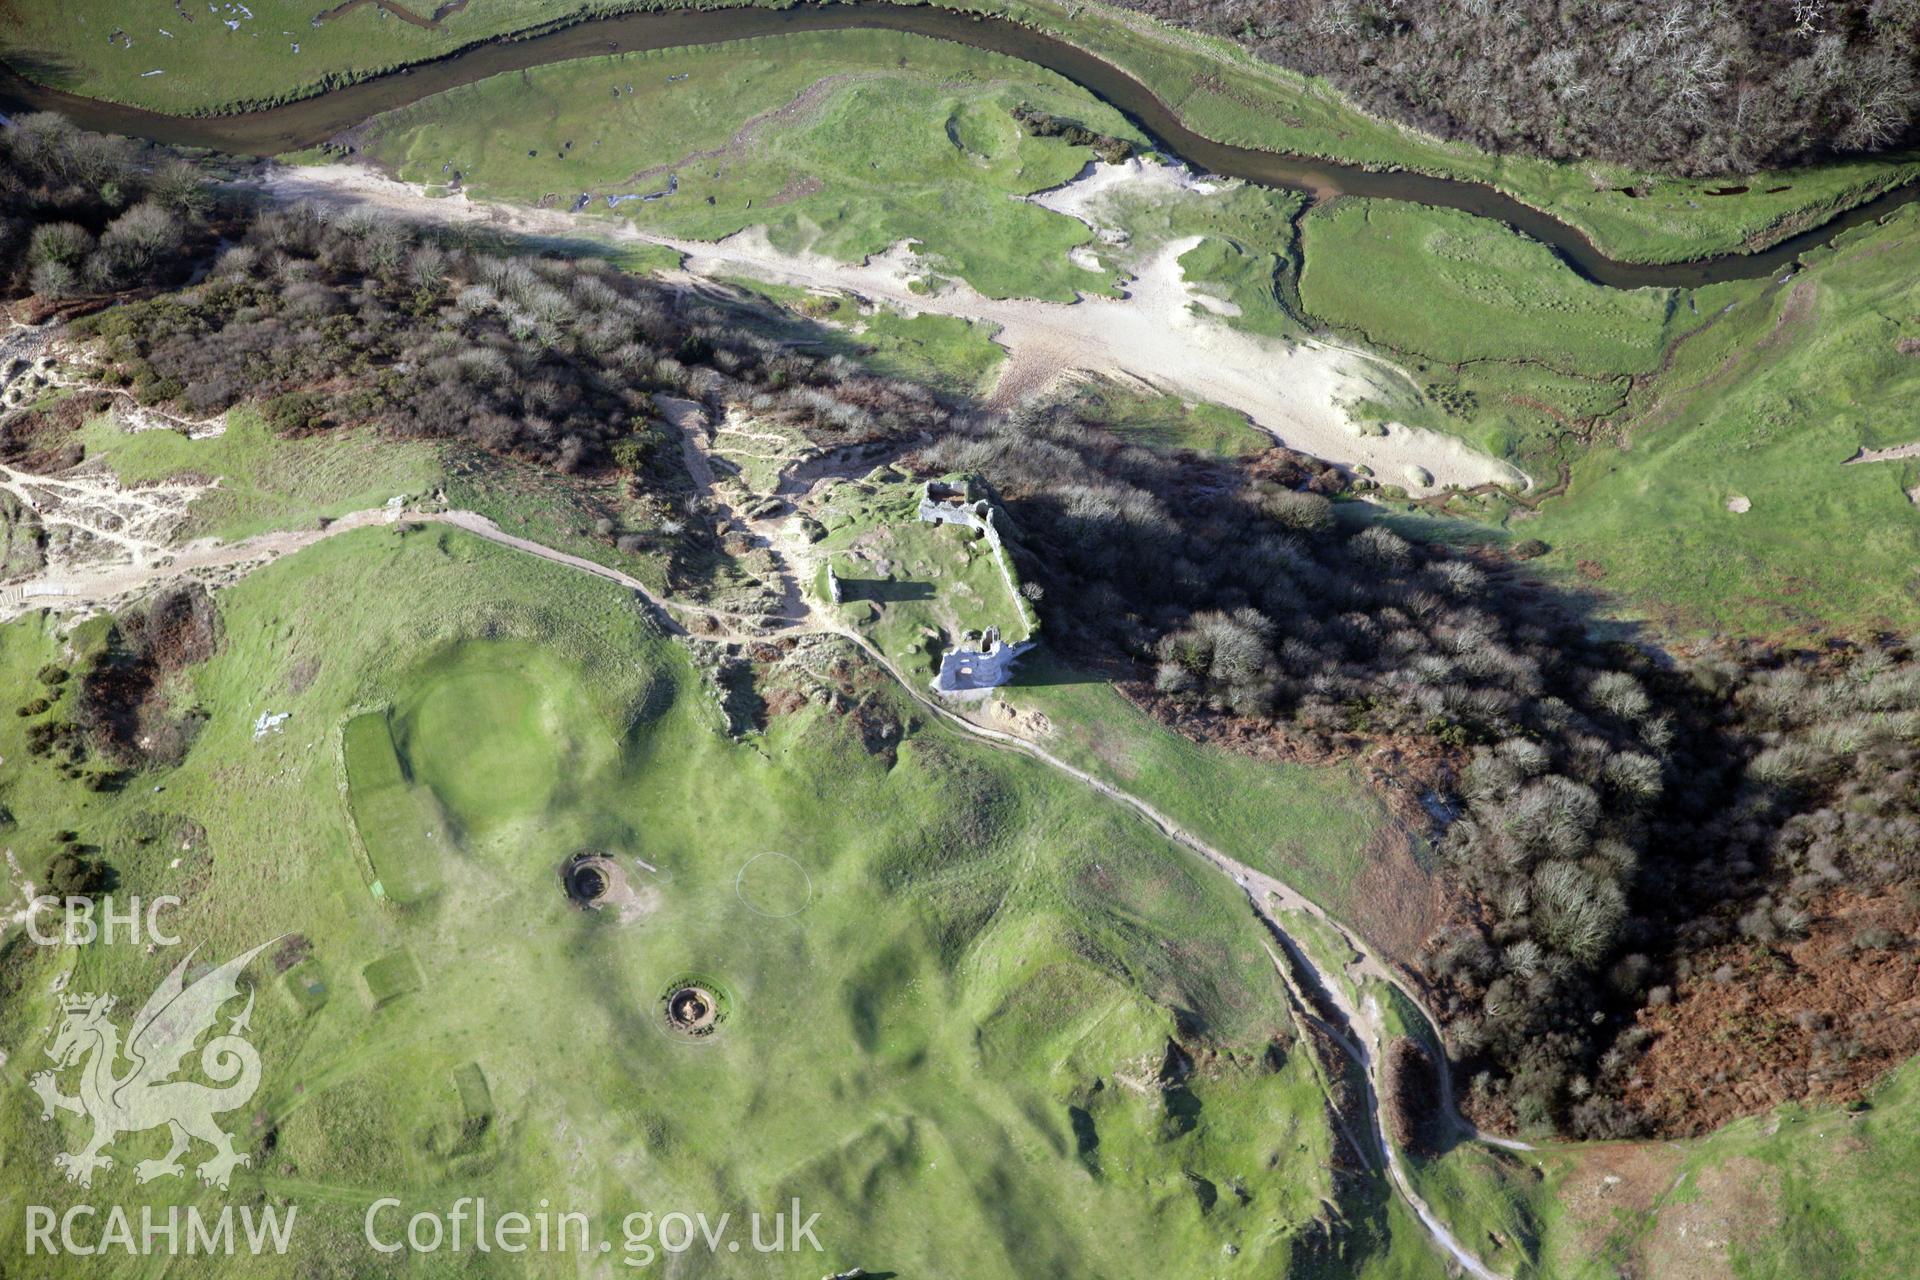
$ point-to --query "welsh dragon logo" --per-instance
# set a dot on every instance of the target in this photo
(144, 1096)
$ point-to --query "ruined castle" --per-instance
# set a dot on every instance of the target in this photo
(968, 668)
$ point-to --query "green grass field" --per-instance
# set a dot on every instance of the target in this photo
(1238, 804)
(986, 956)
(841, 143)
(263, 482)
(1169, 423)
(1457, 288)
(948, 352)
(1766, 405)
(951, 353)
(1670, 410)
(1509, 348)
(266, 482)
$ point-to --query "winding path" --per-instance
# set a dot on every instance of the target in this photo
(1362, 1036)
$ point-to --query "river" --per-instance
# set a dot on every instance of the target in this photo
(309, 121)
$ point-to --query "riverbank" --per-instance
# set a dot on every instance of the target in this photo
(1214, 104)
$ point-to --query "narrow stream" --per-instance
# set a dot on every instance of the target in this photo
(313, 120)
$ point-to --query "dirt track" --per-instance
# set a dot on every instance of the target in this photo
(1894, 454)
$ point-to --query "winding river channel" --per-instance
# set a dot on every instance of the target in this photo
(313, 120)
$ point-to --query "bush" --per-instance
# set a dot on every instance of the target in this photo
(55, 280)
(65, 243)
(295, 412)
(150, 388)
(178, 188)
(1303, 512)
(138, 248)
(72, 875)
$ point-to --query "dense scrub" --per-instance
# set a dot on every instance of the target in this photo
(1041, 124)
(1692, 86)
(333, 322)
(88, 213)
(1616, 811)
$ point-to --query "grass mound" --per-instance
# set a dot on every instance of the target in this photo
(493, 730)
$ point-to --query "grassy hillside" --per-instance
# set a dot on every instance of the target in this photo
(1455, 288)
(264, 481)
(1704, 431)
(1507, 345)
(1236, 803)
(962, 1002)
(1759, 413)
(1168, 422)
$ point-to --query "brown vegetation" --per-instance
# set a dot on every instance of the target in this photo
(329, 323)
(1412, 1097)
(126, 704)
(1817, 1017)
(43, 440)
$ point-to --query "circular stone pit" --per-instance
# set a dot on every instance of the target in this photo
(590, 879)
(692, 1010)
(694, 1007)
